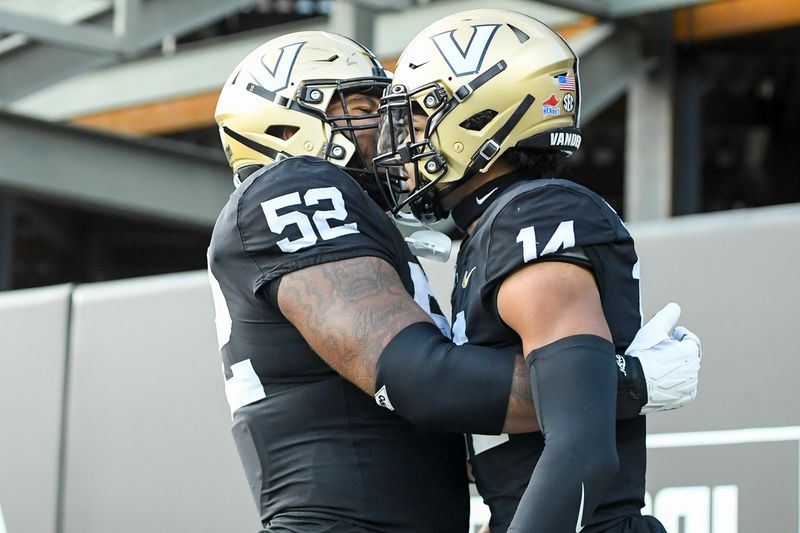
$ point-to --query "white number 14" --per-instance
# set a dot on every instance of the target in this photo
(564, 237)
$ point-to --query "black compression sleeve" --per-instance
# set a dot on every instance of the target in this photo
(434, 383)
(574, 386)
(631, 387)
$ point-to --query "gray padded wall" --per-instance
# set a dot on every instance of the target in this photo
(149, 447)
(33, 340)
(736, 276)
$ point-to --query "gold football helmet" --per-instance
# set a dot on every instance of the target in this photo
(514, 73)
(274, 103)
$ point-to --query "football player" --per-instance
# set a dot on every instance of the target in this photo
(313, 284)
(483, 104)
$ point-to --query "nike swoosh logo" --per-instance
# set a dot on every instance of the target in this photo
(578, 526)
(483, 198)
(465, 281)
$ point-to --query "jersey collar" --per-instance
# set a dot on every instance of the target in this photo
(478, 201)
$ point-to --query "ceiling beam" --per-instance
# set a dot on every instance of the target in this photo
(29, 66)
(155, 181)
(155, 20)
(66, 12)
(197, 68)
(33, 67)
(631, 8)
(63, 51)
(136, 25)
(126, 17)
(598, 8)
(612, 9)
(86, 37)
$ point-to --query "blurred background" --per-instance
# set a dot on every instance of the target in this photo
(112, 411)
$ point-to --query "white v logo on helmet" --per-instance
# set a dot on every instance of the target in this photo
(468, 60)
(277, 78)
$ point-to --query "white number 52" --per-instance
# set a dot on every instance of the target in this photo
(277, 223)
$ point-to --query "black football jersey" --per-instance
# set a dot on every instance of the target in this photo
(313, 444)
(545, 220)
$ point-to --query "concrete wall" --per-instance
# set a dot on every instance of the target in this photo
(146, 443)
(33, 339)
(736, 276)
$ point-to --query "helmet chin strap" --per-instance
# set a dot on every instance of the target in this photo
(491, 147)
(429, 204)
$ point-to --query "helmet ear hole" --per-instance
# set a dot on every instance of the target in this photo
(479, 120)
(282, 131)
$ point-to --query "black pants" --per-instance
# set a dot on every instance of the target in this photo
(632, 524)
(637, 524)
(296, 523)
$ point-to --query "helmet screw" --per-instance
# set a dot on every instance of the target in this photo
(308, 146)
(430, 101)
(431, 166)
(337, 152)
(315, 95)
(458, 147)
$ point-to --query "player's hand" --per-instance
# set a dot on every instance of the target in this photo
(670, 361)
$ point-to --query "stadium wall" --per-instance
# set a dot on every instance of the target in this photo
(113, 415)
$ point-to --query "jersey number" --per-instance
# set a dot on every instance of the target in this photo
(564, 237)
(277, 223)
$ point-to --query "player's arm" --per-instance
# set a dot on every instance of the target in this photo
(354, 311)
(574, 381)
(658, 372)
(356, 314)
(348, 311)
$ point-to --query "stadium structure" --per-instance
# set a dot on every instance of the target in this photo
(112, 410)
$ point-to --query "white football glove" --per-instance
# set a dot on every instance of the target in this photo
(671, 363)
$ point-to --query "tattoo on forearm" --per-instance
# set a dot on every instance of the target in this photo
(374, 317)
(521, 384)
(521, 415)
(348, 311)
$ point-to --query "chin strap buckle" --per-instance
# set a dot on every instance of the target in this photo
(489, 150)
